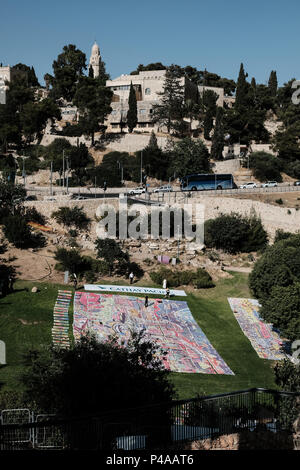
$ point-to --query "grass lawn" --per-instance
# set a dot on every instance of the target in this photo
(26, 321)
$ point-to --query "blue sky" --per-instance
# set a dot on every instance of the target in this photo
(218, 35)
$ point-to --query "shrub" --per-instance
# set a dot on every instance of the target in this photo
(72, 261)
(234, 233)
(71, 216)
(278, 266)
(279, 201)
(18, 233)
(265, 166)
(202, 279)
(281, 235)
(33, 215)
(199, 279)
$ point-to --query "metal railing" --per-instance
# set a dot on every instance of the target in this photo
(158, 426)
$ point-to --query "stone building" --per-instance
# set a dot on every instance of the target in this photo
(147, 85)
(95, 59)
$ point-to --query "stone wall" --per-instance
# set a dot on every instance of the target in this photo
(272, 217)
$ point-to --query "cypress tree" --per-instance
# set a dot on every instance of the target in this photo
(152, 145)
(132, 111)
(208, 123)
(218, 137)
(241, 97)
(273, 83)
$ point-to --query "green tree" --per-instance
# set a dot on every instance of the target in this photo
(273, 83)
(72, 261)
(189, 156)
(110, 251)
(80, 158)
(155, 161)
(34, 117)
(265, 166)
(282, 309)
(132, 118)
(234, 233)
(217, 145)
(72, 216)
(32, 80)
(170, 110)
(93, 100)
(54, 153)
(11, 197)
(68, 68)
(17, 232)
(91, 378)
(242, 89)
(279, 266)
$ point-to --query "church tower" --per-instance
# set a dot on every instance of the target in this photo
(95, 59)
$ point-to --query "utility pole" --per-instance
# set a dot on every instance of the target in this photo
(142, 167)
(51, 175)
(95, 185)
(177, 241)
(24, 172)
(67, 175)
(63, 168)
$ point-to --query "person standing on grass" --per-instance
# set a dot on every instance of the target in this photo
(75, 281)
(131, 277)
(164, 283)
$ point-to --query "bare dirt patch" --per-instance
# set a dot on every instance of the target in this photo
(289, 200)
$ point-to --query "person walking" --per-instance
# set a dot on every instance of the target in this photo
(167, 293)
(75, 281)
(131, 277)
(146, 301)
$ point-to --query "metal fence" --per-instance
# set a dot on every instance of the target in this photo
(156, 426)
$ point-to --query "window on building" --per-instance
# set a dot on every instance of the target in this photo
(142, 111)
(147, 91)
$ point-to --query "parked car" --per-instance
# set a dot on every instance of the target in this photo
(248, 185)
(138, 190)
(269, 184)
(296, 183)
(163, 189)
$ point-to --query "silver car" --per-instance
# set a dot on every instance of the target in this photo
(163, 189)
(270, 184)
(248, 185)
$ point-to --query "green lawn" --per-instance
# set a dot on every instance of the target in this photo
(26, 321)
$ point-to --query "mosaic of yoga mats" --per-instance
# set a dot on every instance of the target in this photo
(168, 322)
(264, 339)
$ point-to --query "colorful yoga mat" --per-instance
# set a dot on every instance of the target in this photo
(60, 330)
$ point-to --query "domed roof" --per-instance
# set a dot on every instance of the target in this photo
(95, 49)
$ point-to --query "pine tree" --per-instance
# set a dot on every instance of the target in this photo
(273, 83)
(208, 123)
(218, 137)
(152, 145)
(170, 111)
(241, 97)
(132, 111)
